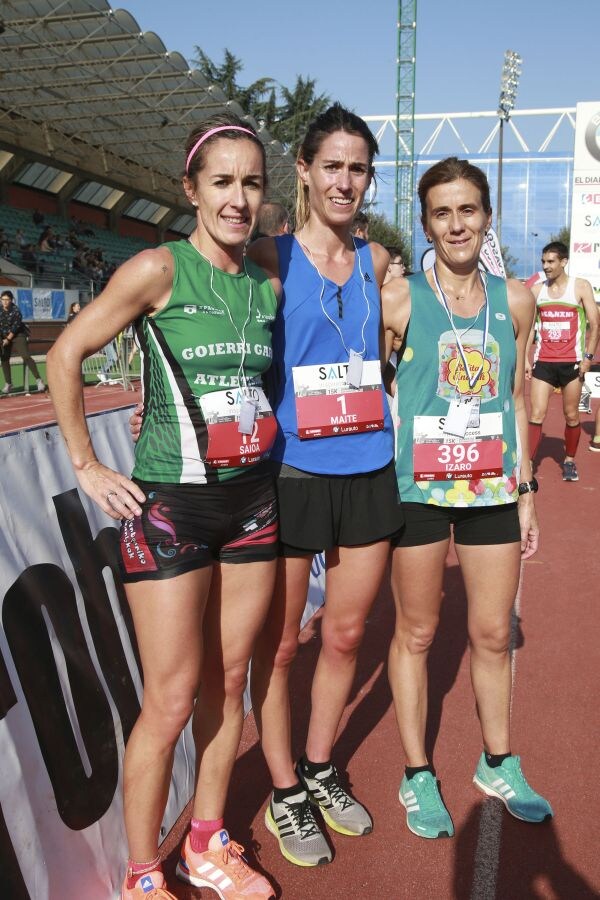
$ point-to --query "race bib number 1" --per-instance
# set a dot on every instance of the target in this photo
(227, 446)
(326, 405)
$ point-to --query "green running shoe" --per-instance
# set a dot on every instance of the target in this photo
(426, 815)
(508, 783)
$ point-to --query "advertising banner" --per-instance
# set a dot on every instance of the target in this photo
(70, 685)
(585, 215)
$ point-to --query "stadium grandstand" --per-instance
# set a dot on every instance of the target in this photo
(93, 117)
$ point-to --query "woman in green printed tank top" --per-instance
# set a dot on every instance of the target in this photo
(463, 466)
(199, 530)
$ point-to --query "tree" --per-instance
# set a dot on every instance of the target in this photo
(564, 236)
(382, 231)
(285, 116)
(509, 261)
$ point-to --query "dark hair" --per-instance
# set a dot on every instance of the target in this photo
(561, 250)
(336, 118)
(360, 220)
(272, 218)
(219, 120)
(8, 294)
(394, 251)
(448, 170)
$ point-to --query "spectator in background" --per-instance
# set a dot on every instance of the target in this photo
(20, 239)
(74, 309)
(273, 219)
(14, 337)
(360, 226)
(4, 244)
(396, 267)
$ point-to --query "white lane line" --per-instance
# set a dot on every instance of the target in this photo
(487, 852)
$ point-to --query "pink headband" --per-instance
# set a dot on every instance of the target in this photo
(210, 134)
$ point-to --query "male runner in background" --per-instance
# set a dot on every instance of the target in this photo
(562, 354)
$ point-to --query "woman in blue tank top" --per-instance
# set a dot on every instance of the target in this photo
(463, 467)
(333, 458)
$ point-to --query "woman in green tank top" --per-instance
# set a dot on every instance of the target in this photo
(203, 316)
(462, 464)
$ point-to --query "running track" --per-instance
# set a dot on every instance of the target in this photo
(556, 667)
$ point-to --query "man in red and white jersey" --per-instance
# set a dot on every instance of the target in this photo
(563, 350)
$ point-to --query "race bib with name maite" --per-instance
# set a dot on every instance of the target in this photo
(327, 406)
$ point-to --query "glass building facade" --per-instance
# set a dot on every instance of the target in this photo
(536, 201)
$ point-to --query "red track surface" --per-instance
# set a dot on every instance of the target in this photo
(555, 717)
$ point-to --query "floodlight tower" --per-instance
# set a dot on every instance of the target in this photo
(511, 72)
(405, 117)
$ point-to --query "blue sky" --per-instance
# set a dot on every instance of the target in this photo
(350, 47)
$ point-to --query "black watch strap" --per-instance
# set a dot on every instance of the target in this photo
(528, 487)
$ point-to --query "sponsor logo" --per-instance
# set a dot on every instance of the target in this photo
(582, 247)
(592, 221)
(368, 278)
(587, 199)
(224, 837)
(191, 309)
(262, 317)
(147, 884)
(592, 136)
(501, 317)
(587, 179)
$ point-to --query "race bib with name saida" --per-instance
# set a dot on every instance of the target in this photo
(326, 405)
(227, 447)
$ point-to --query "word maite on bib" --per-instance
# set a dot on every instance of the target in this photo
(326, 405)
(227, 447)
(441, 457)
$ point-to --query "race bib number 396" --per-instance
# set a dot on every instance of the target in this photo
(326, 405)
(439, 457)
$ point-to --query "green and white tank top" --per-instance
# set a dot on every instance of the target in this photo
(191, 352)
(481, 468)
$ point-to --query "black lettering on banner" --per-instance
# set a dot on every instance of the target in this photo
(13, 886)
(80, 800)
(89, 558)
(8, 698)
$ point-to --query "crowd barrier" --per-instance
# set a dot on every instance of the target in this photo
(70, 683)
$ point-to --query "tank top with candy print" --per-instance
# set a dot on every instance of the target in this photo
(480, 468)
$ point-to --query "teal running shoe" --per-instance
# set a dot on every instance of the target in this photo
(508, 783)
(426, 814)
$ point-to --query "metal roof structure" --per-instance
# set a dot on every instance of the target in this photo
(84, 90)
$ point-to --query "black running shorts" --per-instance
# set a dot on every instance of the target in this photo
(555, 373)
(428, 524)
(190, 526)
(319, 512)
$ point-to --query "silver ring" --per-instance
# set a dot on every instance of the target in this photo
(109, 495)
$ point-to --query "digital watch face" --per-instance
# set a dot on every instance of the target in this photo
(592, 136)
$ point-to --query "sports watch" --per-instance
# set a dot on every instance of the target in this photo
(589, 356)
(528, 487)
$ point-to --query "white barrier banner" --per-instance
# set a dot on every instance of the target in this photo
(70, 684)
(69, 680)
(584, 260)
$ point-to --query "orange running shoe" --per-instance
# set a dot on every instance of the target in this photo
(222, 868)
(151, 886)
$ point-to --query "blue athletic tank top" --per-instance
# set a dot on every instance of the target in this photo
(303, 336)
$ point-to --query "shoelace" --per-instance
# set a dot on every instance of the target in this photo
(239, 868)
(337, 793)
(303, 819)
(429, 795)
(518, 773)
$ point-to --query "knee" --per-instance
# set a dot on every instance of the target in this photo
(415, 637)
(493, 638)
(572, 418)
(235, 680)
(343, 638)
(169, 708)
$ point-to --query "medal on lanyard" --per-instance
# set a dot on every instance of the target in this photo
(248, 408)
(355, 366)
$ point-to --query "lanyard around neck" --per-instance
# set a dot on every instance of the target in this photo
(472, 381)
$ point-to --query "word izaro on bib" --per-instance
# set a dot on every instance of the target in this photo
(339, 397)
(240, 422)
(466, 444)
